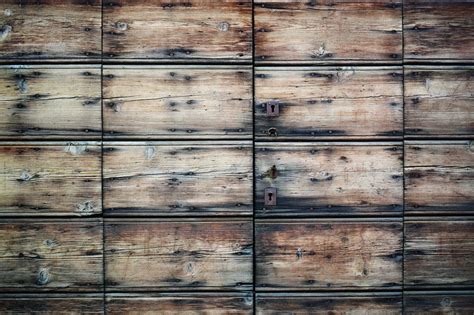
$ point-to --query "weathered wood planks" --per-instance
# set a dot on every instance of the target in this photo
(438, 30)
(313, 179)
(193, 30)
(180, 303)
(178, 178)
(329, 303)
(50, 178)
(438, 254)
(439, 177)
(328, 31)
(50, 102)
(51, 255)
(83, 303)
(50, 29)
(347, 102)
(439, 101)
(178, 254)
(328, 254)
(178, 102)
(450, 302)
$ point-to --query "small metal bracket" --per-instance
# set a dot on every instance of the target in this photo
(273, 109)
(270, 196)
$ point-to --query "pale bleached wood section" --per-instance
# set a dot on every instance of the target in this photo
(439, 101)
(328, 31)
(347, 102)
(328, 254)
(329, 303)
(147, 254)
(51, 255)
(180, 303)
(50, 102)
(334, 178)
(178, 102)
(48, 179)
(74, 304)
(439, 177)
(438, 254)
(176, 30)
(50, 29)
(450, 302)
(178, 178)
(438, 30)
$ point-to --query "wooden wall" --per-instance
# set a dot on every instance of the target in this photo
(236, 157)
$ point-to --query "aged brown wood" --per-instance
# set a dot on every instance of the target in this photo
(439, 177)
(51, 255)
(330, 178)
(328, 254)
(50, 101)
(438, 30)
(329, 303)
(455, 302)
(178, 102)
(439, 253)
(180, 303)
(178, 178)
(348, 102)
(50, 29)
(51, 304)
(169, 254)
(328, 31)
(173, 30)
(439, 101)
(55, 178)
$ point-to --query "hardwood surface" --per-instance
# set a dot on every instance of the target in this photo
(450, 302)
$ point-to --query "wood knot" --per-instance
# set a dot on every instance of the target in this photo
(446, 302)
(26, 176)
(150, 152)
(7, 12)
(299, 253)
(85, 208)
(122, 26)
(43, 277)
(5, 32)
(75, 148)
(223, 26)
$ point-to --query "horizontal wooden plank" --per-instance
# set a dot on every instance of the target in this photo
(50, 101)
(308, 303)
(172, 255)
(439, 101)
(440, 30)
(439, 177)
(51, 255)
(177, 179)
(328, 254)
(313, 179)
(455, 302)
(439, 254)
(61, 178)
(328, 31)
(180, 303)
(329, 102)
(51, 303)
(172, 30)
(178, 102)
(50, 29)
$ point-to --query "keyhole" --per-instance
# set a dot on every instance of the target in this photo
(273, 108)
(270, 196)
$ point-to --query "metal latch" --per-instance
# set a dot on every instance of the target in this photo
(273, 109)
(270, 196)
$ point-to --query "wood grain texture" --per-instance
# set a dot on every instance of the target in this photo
(50, 102)
(438, 30)
(348, 102)
(51, 255)
(178, 30)
(439, 177)
(336, 304)
(171, 178)
(328, 31)
(328, 254)
(47, 179)
(143, 255)
(439, 253)
(180, 303)
(178, 102)
(455, 302)
(50, 29)
(314, 179)
(74, 304)
(439, 101)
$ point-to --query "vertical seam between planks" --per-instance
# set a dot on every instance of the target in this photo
(254, 258)
(102, 148)
(403, 160)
